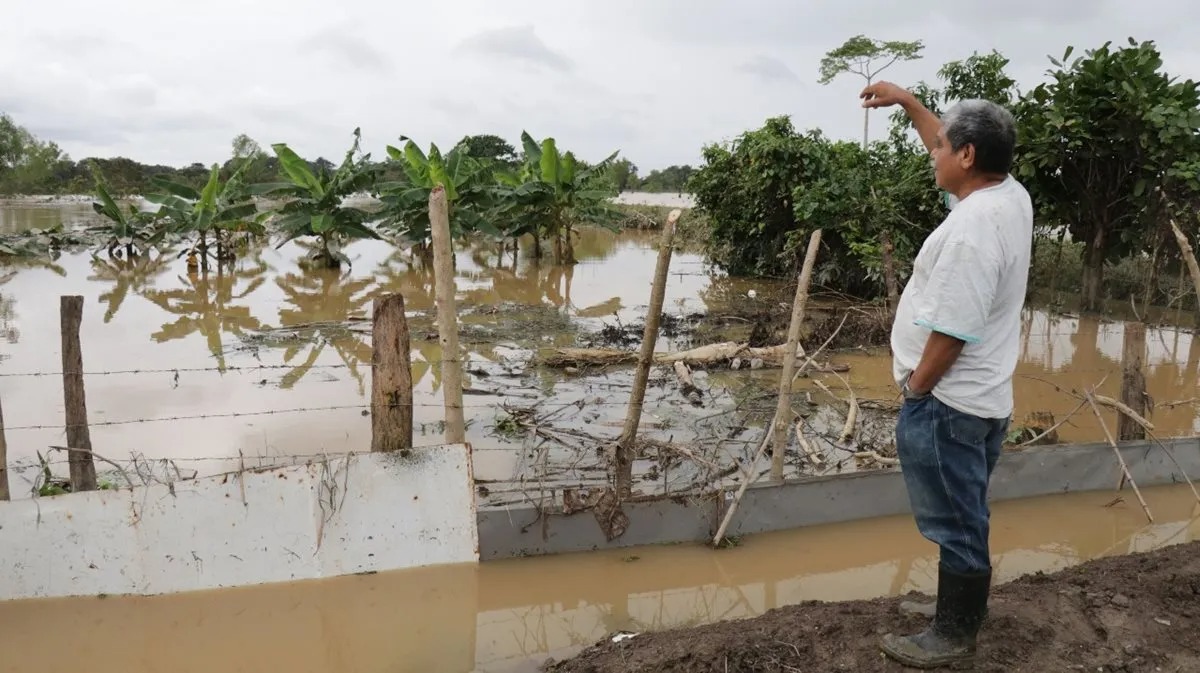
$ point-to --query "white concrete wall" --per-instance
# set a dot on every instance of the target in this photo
(371, 512)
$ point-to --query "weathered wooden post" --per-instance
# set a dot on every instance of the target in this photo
(391, 377)
(444, 289)
(624, 450)
(83, 468)
(4, 493)
(784, 407)
(1133, 381)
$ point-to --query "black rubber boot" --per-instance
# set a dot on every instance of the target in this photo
(924, 608)
(949, 640)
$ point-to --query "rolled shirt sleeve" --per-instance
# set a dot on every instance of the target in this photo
(960, 291)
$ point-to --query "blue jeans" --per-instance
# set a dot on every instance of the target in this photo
(947, 458)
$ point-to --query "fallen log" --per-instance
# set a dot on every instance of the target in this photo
(709, 356)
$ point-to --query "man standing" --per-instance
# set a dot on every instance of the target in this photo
(955, 343)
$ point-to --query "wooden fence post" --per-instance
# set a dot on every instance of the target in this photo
(784, 406)
(443, 269)
(83, 468)
(1133, 381)
(624, 453)
(391, 377)
(4, 493)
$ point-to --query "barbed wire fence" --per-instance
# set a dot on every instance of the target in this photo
(137, 467)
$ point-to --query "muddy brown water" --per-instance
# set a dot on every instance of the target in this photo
(510, 616)
(267, 311)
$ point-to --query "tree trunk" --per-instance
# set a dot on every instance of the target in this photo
(1093, 273)
(568, 247)
(889, 270)
(537, 246)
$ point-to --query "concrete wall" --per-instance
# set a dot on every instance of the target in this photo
(370, 512)
(522, 531)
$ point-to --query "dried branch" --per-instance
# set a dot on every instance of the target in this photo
(1117, 450)
(100, 458)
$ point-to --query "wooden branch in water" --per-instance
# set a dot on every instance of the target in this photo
(624, 450)
(703, 357)
(687, 385)
(1185, 248)
(443, 269)
(874, 455)
(746, 479)
(1117, 450)
(806, 446)
(784, 407)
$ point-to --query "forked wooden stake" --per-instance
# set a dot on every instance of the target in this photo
(784, 407)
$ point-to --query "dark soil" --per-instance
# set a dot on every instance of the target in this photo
(1128, 613)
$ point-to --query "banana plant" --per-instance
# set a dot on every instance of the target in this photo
(219, 209)
(317, 206)
(556, 191)
(469, 186)
(136, 231)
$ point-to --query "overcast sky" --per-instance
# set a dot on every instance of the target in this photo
(171, 82)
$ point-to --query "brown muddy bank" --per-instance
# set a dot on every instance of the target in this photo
(1127, 613)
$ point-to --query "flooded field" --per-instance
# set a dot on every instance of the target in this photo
(266, 363)
(510, 616)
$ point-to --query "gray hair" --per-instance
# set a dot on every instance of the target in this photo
(987, 126)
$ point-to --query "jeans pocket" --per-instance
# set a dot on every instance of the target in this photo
(967, 428)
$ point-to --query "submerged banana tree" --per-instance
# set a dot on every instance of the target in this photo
(317, 206)
(469, 185)
(554, 191)
(219, 209)
(135, 231)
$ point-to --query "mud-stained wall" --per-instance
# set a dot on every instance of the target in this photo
(814, 501)
(365, 513)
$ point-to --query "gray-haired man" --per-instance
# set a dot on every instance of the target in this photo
(955, 343)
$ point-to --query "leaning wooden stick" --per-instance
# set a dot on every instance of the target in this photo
(784, 407)
(746, 479)
(624, 449)
(1117, 450)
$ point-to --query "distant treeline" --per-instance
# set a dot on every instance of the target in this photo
(30, 165)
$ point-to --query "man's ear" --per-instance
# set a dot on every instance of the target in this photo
(966, 158)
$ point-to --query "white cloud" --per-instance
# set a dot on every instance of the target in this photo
(170, 83)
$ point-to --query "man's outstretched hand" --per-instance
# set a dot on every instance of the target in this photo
(883, 94)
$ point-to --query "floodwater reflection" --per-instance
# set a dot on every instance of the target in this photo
(305, 328)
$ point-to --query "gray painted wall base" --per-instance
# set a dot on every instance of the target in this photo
(523, 531)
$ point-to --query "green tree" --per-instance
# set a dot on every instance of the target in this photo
(865, 57)
(488, 147)
(1098, 142)
(745, 188)
(623, 174)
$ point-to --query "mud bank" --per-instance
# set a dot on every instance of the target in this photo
(1128, 613)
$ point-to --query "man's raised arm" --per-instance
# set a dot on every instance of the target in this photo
(886, 94)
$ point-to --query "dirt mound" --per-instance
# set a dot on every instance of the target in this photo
(1129, 613)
